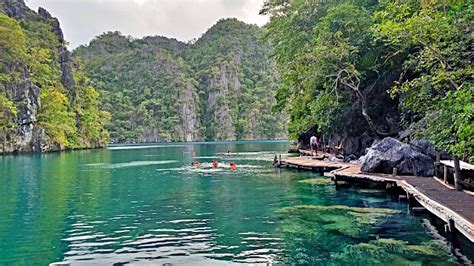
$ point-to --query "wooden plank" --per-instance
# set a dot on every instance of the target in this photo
(443, 212)
(463, 165)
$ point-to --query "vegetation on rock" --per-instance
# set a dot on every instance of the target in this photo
(158, 89)
(395, 252)
(316, 181)
(39, 110)
(320, 228)
(384, 67)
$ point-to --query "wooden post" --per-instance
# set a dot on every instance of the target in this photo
(451, 232)
(457, 173)
(279, 160)
(394, 173)
(437, 164)
(445, 174)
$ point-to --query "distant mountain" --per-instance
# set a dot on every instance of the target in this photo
(159, 89)
(46, 102)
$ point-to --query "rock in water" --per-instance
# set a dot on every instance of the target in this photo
(388, 153)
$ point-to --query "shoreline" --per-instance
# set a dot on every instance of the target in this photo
(113, 146)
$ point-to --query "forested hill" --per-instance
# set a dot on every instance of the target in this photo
(46, 102)
(158, 89)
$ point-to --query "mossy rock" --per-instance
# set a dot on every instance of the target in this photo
(392, 252)
(337, 208)
(327, 224)
(316, 181)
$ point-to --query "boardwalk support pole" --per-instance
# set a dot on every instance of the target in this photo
(445, 174)
(451, 232)
(457, 173)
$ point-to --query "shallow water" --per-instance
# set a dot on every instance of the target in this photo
(148, 204)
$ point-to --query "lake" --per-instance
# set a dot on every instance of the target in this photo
(146, 204)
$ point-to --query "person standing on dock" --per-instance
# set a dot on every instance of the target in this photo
(313, 142)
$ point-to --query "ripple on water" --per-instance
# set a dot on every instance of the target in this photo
(136, 147)
(206, 168)
(129, 164)
(204, 221)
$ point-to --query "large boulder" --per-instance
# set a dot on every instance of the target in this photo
(424, 147)
(388, 153)
(427, 148)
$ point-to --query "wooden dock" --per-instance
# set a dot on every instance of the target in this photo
(456, 208)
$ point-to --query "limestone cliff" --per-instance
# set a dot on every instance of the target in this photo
(159, 89)
(147, 87)
(39, 110)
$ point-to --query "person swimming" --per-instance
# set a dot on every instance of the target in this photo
(215, 164)
(233, 166)
(196, 163)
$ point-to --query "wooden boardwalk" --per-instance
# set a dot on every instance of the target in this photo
(456, 208)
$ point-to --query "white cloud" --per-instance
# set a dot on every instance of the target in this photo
(81, 20)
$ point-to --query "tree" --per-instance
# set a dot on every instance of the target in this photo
(56, 118)
(12, 44)
(7, 111)
(436, 85)
(328, 65)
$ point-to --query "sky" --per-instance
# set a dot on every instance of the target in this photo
(82, 20)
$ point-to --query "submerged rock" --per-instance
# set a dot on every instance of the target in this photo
(316, 181)
(320, 229)
(393, 252)
(388, 153)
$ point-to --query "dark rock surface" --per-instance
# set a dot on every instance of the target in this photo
(388, 153)
(14, 8)
(427, 148)
(424, 147)
(28, 136)
(65, 59)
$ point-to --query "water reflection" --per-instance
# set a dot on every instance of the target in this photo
(138, 205)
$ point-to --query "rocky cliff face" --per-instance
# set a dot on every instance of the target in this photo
(36, 64)
(222, 88)
(146, 86)
(236, 83)
(25, 134)
(160, 89)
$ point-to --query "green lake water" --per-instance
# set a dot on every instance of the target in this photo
(148, 205)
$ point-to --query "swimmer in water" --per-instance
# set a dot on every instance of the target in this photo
(233, 166)
(196, 163)
(215, 164)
